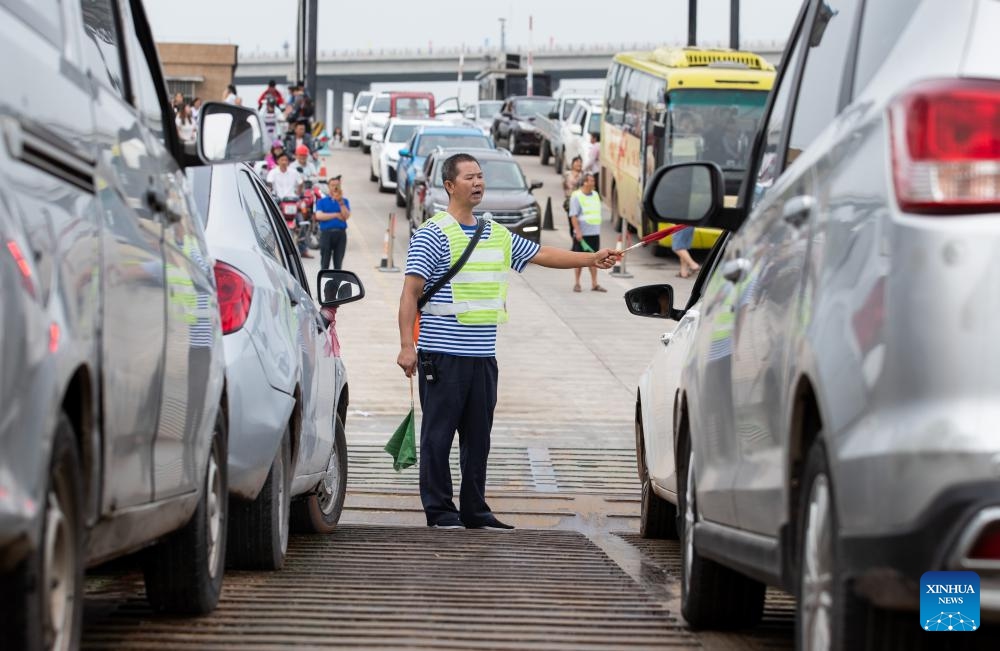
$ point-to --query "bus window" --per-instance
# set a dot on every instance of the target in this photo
(714, 125)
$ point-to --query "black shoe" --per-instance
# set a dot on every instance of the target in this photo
(493, 525)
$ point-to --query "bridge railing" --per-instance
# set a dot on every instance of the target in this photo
(432, 52)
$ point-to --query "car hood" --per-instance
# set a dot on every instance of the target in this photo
(493, 200)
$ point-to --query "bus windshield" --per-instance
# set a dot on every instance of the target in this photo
(714, 125)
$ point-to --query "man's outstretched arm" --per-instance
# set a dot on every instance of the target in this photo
(550, 256)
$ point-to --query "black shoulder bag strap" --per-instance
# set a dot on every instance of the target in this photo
(480, 227)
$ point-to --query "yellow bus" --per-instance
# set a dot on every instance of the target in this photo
(674, 105)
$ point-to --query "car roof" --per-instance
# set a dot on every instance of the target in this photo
(413, 121)
(450, 131)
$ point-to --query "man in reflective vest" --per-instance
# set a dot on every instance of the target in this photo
(455, 354)
(585, 216)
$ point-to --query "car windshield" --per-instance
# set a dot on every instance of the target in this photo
(714, 125)
(595, 124)
(568, 108)
(489, 109)
(471, 141)
(413, 107)
(363, 102)
(381, 105)
(401, 132)
(530, 107)
(497, 174)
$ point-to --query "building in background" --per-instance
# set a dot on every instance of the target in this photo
(199, 70)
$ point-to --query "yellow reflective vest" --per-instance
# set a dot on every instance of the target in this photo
(479, 289)
(590, 206)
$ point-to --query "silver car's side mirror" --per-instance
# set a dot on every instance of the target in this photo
(337, 287)
(655, 301)
(229, 134)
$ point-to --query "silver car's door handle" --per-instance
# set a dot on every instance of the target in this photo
(797, 209)
(666, 337)
(735, 270)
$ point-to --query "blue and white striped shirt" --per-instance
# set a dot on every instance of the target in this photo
(429, 257)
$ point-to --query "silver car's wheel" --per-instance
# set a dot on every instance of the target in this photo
(216, 496)
(320, 511)
(689, 519)
(817, 569)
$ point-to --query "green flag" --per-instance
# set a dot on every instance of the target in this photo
(402, 447)
(586, 247)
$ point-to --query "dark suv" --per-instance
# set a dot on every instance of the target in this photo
(515, 127)
(112, 394)
(508, 198)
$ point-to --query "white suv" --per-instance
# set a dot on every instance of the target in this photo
(375, 120)
(362, 102)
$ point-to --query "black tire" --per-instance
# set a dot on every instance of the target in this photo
(372, 177)
(657, 517)
(31, 616)
(320, 511)
(353, 144)
(713, 596)
(400, 199)
(366, 149)
(383, 189)
(855, 624)
(258, 529)
(512, 142)
(544, 152)
(184, 571)
(559, 162)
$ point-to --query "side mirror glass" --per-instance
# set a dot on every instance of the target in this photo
(404, 152)
(687, 193)
(536, 184)
(553, 115)
(576, 129)
(229, 134)
(655, 301)
(337, 287)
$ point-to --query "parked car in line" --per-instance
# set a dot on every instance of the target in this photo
(375, 120)
(287, 389)
(833, 431)
(450, 111)
(423, 142)
(411, 104)
(656, 396)
(583, 121)
(514, 126)
(385, 150)
(480, 114)
(551, 128)
(508, 198)
(355, 132)
(112, 385)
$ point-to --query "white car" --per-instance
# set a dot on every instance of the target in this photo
(362, 102)
(655, 408)
(584, 119)
(385, 150)
(480, 114)
(375, 120)
(286, 384)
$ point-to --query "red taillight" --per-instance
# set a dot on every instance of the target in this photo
(987, 547)
(946, 147)
(235, 294)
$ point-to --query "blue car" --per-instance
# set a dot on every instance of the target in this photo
(423, 142)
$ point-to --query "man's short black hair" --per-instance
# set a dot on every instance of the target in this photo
(283, 154)
(449, 171)
(272, 83)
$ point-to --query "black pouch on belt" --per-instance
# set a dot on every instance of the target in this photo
(428, 368)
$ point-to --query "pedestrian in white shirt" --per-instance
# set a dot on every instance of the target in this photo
(284, 181)
(185, 124)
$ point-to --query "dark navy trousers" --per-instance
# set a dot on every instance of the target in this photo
(461, 399)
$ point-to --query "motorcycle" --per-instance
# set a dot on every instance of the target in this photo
(308, 230)
(289, 208)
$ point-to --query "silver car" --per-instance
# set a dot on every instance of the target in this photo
(112, 385)
(835, 429)
(287, 384)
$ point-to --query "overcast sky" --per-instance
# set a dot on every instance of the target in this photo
(268, 24)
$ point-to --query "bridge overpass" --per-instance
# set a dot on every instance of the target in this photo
(351, 71)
